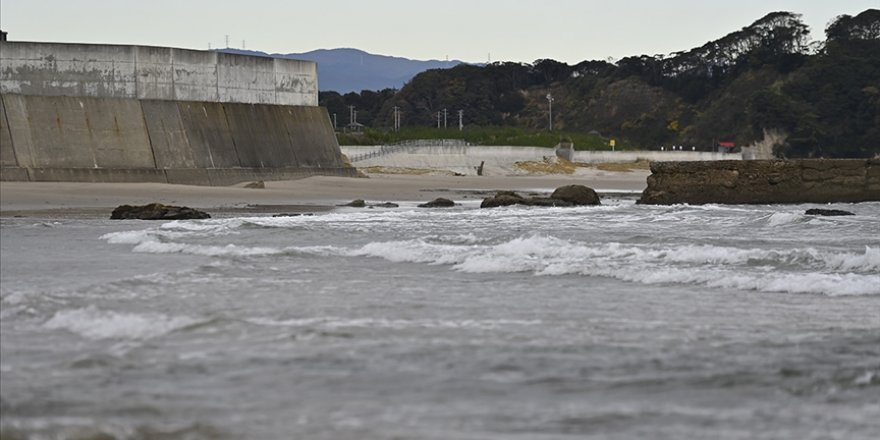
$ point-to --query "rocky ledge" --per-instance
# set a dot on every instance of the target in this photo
(763, 181)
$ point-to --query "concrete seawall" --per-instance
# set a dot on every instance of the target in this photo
(110, 113)
(763, 181)
(85, 139)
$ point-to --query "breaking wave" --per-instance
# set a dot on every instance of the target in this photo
(795, 271)
(94, 323)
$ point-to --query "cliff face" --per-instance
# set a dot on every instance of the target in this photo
(763, 181)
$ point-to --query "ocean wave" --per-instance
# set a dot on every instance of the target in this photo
(785, 218)
(230, 250)
(794, 270)
(147, 242)
(93, 323)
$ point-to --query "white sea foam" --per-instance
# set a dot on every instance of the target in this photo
(93, 323)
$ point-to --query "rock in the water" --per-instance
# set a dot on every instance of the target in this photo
(157, 211)
(502, 198)
(509, 198)
(576, 195)
(827, 212)
(359, 203)
(385, 205)
(439, 202)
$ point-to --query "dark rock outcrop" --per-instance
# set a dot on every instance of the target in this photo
(157, 211)
(576, 195)
(763, 181)
(570, 195)
(827, 212)
(503, 198)
(439, 202)
(358, 203)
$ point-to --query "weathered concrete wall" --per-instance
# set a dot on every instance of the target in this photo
(51, 138)
(84, 112)
(7, 154)
(763, 181)
(163, 73)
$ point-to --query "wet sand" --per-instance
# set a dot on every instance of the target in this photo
(66, 199)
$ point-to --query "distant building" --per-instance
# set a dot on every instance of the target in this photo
(726, 146)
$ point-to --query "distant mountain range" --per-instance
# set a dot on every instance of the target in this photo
(353, 70)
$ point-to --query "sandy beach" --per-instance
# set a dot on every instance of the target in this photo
(63, 199)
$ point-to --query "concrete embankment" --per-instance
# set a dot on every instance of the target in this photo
(763, 181)
(85, 139)
(112, 113)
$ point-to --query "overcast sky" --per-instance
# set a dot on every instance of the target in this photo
(469, 30)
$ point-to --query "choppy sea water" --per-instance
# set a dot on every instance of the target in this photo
(615, 322)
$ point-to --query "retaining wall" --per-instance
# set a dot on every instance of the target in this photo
(113, 113)
(86, 139)
(763, 181)
(465, 159)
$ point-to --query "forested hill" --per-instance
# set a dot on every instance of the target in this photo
(822, 98)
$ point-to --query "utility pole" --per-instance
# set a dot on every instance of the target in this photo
(396, 118)
(351, 114)
(227, 41)
(242, 44)
(550, 103)
(445, 113)
(438, 119)
(334, 122)
(460, 120)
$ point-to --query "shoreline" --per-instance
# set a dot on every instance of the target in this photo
(311, 194)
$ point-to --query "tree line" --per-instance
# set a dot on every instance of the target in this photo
(823, 96)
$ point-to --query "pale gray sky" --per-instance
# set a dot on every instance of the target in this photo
(469, 30)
